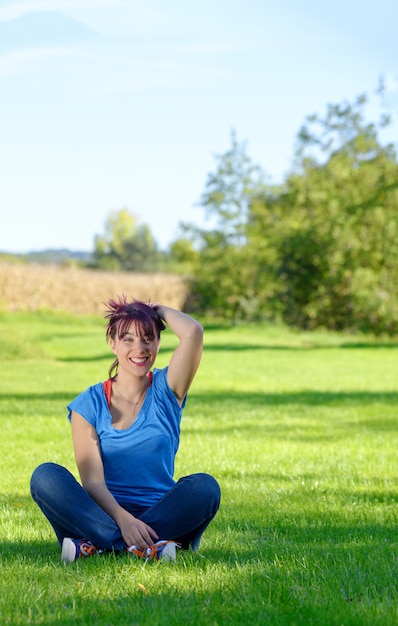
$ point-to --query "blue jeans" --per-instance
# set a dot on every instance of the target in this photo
(181, 515)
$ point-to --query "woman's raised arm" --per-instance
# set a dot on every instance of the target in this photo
(186, 357)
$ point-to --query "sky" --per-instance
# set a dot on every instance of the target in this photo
(111, 104)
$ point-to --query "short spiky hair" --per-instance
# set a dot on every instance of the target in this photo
(120, 314)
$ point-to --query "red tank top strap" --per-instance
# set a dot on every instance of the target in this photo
(107, 386)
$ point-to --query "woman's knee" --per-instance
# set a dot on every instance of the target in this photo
(44, 477)
(206, 486)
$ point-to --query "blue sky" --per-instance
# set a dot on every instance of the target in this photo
(110, 104)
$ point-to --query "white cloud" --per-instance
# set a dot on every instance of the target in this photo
(110, 72)
(13, 10)
(214, 47)
(112, 18)
(14, 62)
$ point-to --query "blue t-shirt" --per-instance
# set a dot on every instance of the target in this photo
(139, 461)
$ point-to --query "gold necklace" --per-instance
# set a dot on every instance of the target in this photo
(127, 400)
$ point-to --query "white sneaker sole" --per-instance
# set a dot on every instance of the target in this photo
(169, 552)
(68, 553)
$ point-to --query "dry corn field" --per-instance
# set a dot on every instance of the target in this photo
(32, 287)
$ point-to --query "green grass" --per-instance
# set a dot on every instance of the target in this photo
(300, 429)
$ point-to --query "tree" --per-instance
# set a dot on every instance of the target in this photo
(222, 277)
(333, 226)
(229, 192)
(126, 245)
(318, 250)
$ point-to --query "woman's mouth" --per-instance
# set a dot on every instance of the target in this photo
(139, 360)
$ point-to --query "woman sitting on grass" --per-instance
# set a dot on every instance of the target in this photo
(125, 435)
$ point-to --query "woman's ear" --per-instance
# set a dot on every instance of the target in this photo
(112, 345)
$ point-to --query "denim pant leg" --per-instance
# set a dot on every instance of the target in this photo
(186, 510)
(70, 510)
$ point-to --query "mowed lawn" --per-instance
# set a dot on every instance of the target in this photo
(300, 429)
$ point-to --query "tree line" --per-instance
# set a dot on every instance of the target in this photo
(317, 250)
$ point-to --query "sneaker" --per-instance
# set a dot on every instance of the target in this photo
(165, 550)
(73, 549)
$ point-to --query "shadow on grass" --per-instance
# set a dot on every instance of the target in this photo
(278, 567)
(255, 533)
(52, 396)
(251, 414)
(304, 347)
(291, 573)
(310, 398)
(34, 552)
(248, 399)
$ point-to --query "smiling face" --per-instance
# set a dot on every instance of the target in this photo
(135, 351)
